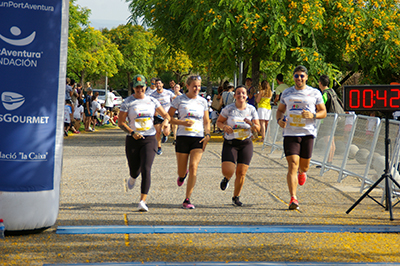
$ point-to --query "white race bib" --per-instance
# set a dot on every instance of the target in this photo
(143, 124)
(296, 119)
(196, 127)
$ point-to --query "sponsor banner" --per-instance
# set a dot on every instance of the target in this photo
(30, 37)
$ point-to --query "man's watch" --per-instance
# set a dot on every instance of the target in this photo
(132, 133)
(314, 115)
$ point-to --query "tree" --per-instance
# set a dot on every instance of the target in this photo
(137, 47)
(325, 36)
(90, 54)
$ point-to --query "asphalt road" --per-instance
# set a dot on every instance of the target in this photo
(92, 193)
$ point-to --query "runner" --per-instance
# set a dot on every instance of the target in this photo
(141, 143)
(303, 104)
(238, 120)
(165, 98)
(193, 134)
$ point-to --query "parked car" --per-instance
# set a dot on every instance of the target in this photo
(102, 97)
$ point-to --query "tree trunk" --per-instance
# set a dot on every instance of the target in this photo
(255, 69)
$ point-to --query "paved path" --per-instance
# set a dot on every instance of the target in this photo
(92, 193)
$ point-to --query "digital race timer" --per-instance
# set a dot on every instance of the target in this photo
(371, 98)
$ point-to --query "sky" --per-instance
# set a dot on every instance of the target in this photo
(106, 13)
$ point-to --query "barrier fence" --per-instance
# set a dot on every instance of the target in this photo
(350, 144)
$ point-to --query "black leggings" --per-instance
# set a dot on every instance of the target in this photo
(140, 155)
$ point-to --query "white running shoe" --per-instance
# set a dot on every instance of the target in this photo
(130, 182)
(143, 207)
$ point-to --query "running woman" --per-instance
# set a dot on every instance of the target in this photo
(141, 143)
(238, 120)
(192, 136)
(303, 105)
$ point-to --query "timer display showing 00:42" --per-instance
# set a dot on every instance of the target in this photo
(371, 98)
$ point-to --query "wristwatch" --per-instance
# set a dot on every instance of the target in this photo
(132, 133)
(314, 115)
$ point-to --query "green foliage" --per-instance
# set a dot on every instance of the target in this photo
(328, 37)
(90, 54)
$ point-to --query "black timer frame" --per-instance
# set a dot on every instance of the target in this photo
(358, 106)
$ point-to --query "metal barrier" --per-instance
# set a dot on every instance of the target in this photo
(273, 135)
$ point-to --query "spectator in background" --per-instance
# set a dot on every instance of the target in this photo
(88, 108)
(68, 90)
(251, 91)
(79, 90)
(109, 102)
(95, 108)
(228, 96)
(78, 114)
(281, 87)
(264, 107)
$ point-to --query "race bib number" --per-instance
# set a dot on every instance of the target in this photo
(241, 133)
(143, 124)
(296, 120)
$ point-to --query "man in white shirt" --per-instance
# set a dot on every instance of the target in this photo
(109, 103)
(165, 98)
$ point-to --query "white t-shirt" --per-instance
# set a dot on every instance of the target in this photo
(109, 99)
(190, 109)
(78, 112)
(141, 114)
(235, 119)
(95, 107)
(67, 112)
(149, 91)
(165, 98)
(296, 101)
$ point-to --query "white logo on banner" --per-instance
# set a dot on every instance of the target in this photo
(18, 42)
(12, 100)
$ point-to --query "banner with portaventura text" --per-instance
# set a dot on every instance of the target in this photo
(33, 54)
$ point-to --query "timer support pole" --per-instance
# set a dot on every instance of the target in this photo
(386, 176)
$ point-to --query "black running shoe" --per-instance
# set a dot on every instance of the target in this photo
(236, 201)
(224, 184)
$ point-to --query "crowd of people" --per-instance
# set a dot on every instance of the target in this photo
(83, 108)
(149, 115)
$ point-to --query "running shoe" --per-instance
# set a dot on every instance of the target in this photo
(164, 138)
(130, 182)
(65, 133)
(180, 180)
(143, 207)
(224, 184)
(187, 205)
(302, 177)
(159, 151)
(236, 201)
(294, 204)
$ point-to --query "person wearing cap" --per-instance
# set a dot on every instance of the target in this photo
(165, 98)
(238, 120)
(140, 143)
(193, 134)
(303, 105)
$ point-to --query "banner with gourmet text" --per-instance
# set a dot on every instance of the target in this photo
(32, 91)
